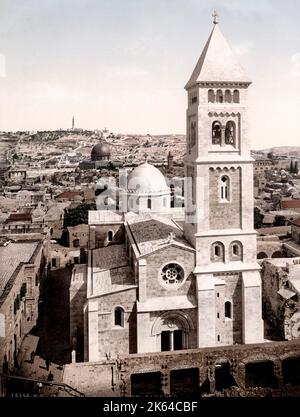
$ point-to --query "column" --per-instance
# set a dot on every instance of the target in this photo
(171, 340)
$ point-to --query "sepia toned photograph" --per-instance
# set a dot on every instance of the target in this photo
(149, 201)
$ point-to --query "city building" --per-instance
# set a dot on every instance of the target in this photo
(22, 268)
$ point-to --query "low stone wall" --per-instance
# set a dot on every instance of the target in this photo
(98, 379)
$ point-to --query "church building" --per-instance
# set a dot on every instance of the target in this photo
(153, 283)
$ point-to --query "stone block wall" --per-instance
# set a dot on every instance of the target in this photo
(116, 339)
(101, 233)
(225, 215)
(156, 261)
(229, 329)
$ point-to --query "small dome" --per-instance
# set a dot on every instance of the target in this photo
(100, 151)
(146, 179)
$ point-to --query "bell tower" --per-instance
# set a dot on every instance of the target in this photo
(219, 198)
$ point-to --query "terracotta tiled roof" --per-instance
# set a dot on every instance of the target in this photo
(290, 204)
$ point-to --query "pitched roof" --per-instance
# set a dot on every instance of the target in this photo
(155, 232)
(217, 62)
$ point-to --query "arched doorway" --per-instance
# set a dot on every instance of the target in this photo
(172, 330)
(277, 254)
(262, 255)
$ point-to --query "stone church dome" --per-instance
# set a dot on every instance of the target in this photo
(100, 151)
(146, 179)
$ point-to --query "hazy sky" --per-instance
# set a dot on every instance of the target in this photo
(123, 64)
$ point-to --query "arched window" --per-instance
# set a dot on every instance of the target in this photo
(236, 251)
(211, 96)
(236, 96)
(224, 189)
(119, 317)
(76, 243)
(228, 312)
(110, 235)
(228, 97)
(230, 133)
(149, 203)
(216, 133)
(219, 96)
(217, 252)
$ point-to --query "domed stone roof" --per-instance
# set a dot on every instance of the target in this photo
(100, 151)
(146, 179)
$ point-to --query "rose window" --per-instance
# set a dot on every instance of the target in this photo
(172, 274)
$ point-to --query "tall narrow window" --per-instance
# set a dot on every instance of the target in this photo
(230, 133)
(224, 189)
(119, 317)
(211, 96)
(110, 235)
(149, 203)
(228, 97)
(228, 312)
(236, 96)
(219, 96)
(216, 133)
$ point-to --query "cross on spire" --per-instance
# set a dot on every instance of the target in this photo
(216, 17)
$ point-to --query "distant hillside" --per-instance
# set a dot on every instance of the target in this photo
(282, 150)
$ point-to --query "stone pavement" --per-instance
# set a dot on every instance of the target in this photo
(37, 369)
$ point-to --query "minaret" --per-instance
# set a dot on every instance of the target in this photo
(219, 203)
(170, 160)
(73, 123)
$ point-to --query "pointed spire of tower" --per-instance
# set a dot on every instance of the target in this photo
(217, 62)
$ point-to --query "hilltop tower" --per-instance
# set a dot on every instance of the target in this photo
(219, 202)
(73, 123)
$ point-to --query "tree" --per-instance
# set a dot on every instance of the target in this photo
(279, 221)
(258, 218)
(78, 215)
(296, 170)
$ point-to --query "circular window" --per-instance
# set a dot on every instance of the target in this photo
(172, 274)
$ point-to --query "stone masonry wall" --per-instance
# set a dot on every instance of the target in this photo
(113, 339)
(225, 215)
(158, 260)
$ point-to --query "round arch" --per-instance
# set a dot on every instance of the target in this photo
(184, 322)
(277, 254)
(262, 255)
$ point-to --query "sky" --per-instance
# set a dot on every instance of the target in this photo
(123, 64)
